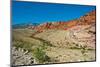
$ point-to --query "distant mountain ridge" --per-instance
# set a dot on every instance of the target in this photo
(23, 25)
(81, 31)
(87, 19)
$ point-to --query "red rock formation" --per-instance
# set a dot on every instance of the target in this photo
(87, 19)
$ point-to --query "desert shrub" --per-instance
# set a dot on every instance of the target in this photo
(40, 55)
(84, 47)
(84, 51)
(75, 46)
(79, 46)
(22, 44)
(43, 46)
(17, 44)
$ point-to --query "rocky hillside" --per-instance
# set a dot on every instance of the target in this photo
(80, 31)
(87, 19)
(56, 42)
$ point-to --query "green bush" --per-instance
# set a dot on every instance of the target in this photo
(40, 55)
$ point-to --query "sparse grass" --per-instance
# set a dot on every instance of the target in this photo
(78, 46)
(38, 52)
(37, 46)
(47, 43)
(22, 44)
(40, 55)
(43, 46)
(75, 46)
(84, 51)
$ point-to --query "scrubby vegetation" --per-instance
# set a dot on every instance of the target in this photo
(47, 47)
(40, 55)
(80, 47)
(38, 52)
(23, 44)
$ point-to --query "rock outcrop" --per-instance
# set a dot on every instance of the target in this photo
(80, 31)
(21, 57)
(87, 19)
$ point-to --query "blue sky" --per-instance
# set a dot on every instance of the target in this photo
(36, 12)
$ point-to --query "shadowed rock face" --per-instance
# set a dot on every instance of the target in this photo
(87, 19)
